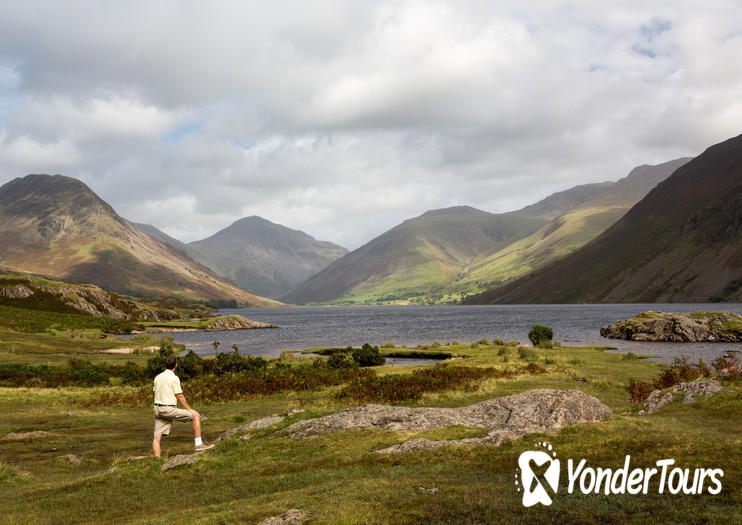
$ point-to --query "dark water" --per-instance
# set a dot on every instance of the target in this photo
(574, 325)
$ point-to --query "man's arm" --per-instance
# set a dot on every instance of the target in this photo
(181, 398)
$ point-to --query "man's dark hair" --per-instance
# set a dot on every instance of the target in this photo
(170, 362)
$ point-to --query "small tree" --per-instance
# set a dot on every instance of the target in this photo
(368, 355)
(216, 347)
(540, 334)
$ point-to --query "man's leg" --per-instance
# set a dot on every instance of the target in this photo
(156, 445)
(197, 426)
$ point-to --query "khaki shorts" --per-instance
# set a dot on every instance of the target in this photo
(164, 417)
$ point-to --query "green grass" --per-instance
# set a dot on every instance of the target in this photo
(337, 478)
(58, 348)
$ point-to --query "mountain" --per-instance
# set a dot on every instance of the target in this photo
(58, 227)
(264, 257)
(680, 243)
(564, 234)
(161, 236)
(422, 255)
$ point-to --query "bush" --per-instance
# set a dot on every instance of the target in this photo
(499, 342)
(406, 387)
(529, 354)
(368, 355)
(540, 333)
(341, 361)
(639, 390)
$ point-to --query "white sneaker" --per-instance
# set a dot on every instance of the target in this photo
(204, 446)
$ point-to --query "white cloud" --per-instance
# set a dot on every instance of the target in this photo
(343, 118)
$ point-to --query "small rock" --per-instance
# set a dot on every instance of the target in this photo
(290, 412)
(135, 458)
(70, 413)
(290, 517)
(73, 459)
(13, 436)
(431, 490)
(245, 437)
(180, 459)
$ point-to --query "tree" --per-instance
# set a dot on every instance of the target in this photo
(540, 334)
(216, 347)
(368, 355)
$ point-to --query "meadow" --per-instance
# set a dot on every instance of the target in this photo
(337, 477)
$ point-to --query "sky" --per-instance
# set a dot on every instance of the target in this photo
(344, 118)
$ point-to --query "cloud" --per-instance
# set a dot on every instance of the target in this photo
(343, 118)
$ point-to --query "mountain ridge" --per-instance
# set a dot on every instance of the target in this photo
(429, 251)
(58, 227)
(265, 257)
(681, 243)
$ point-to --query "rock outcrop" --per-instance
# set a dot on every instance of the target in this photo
(691, 391)
(675, 327)
(507, 418)
(15, 436)
(234, 322)
(290, 517)
(180, 459)
(264, 422)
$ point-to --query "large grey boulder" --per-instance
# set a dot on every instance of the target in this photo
(507, 418)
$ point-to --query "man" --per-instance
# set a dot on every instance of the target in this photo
(167, 395)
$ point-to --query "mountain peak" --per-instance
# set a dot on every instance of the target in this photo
(451, 210)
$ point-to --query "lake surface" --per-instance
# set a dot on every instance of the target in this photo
(575, 325)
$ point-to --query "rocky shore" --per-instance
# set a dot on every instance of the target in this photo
(696, 327)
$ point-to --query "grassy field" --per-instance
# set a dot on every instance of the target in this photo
(338, 478)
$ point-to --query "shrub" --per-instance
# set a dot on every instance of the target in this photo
(529, 354)
(639, 390)
(540, 333)
(341, 361)
(407, 387)
(368, 355)
(499, 342)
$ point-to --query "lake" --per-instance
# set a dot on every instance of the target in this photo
(575, 325)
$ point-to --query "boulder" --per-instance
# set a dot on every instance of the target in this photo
(181, 459)
(695, 327)
(506, 418)
(691, 390)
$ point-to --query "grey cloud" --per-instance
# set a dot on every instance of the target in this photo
(343, 118)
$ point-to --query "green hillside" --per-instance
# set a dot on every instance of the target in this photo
(415, 261)
(681, 243)
(563, 235)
